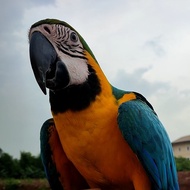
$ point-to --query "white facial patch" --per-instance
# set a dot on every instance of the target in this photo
(77, 68)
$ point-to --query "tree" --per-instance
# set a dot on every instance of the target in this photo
(31, 166)
(1, 152)
(28, 166)
(182, 164)
(7, 166)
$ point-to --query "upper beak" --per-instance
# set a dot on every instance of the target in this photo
(42, 55)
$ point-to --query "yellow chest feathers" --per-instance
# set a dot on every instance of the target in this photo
(84, 126)
(81, 130)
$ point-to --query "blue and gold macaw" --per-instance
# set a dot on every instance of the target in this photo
(100, 136)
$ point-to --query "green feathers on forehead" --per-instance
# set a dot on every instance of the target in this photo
(55, 21)
(52, 21)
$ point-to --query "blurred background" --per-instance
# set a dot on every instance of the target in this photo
(140, 45)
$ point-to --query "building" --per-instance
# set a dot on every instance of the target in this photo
(181, 147)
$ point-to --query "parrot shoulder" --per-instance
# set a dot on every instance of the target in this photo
(145, 134)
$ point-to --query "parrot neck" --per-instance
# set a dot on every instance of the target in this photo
(76, 97)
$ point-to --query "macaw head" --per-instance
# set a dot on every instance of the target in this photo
(59, 55)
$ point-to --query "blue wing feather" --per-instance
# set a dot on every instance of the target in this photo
(46, 155)
(147, 137)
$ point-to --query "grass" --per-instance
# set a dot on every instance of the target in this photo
(24, 184)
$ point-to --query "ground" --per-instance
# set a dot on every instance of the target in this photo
(42, 184)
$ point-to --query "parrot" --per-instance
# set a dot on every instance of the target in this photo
(99, 136)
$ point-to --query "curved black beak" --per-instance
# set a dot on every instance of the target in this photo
(42, 56)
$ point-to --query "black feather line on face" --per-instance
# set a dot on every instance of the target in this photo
(62, 49)
(76, 97)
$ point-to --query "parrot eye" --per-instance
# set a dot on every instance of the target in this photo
(73, 37)
(47, 29)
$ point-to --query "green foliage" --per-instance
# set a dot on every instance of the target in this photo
(182, 164)
(7, 165)
(28, 166)
(11, 184)
(20, 184)
(31, 166)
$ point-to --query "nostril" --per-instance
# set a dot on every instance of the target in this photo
(47, 29)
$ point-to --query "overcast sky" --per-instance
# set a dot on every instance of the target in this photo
(141, 45)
